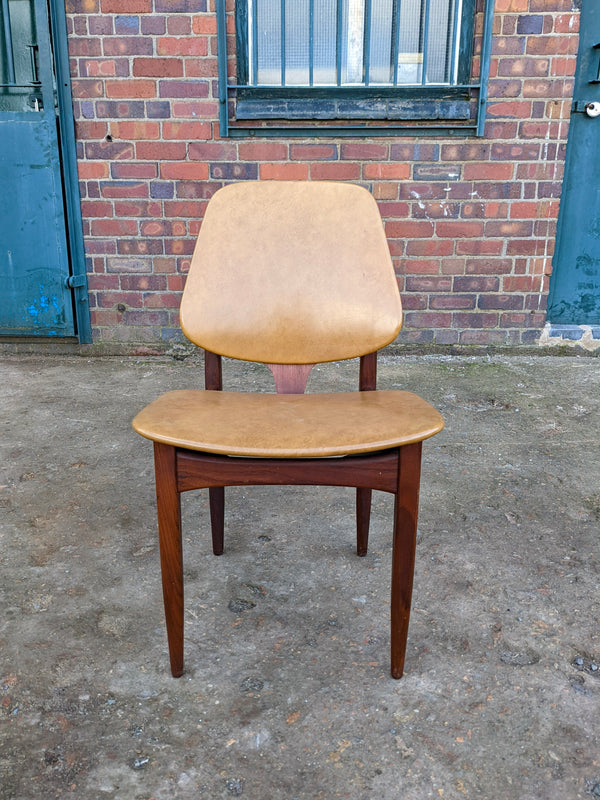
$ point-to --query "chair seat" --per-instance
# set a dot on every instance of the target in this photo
(288, 426)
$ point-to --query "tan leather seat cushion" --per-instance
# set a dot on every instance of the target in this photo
(282, 426)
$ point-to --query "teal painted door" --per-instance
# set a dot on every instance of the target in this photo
(575, 284)
(34, 260)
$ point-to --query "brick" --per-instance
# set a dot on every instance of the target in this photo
(351, 151)
(158, 67)
(262, 151)
(186, 130)
(205, 24)
(430, 247)
(551, 45)
(475, 319)
(133, 170)
(477, 151)
(428, 284)
(500, 301)
(146, 318)
(123, 189)
(508, 228)
(130, 88)
(162, 189)
(127, 46)
(283, 172)
(185, 170)
(113, 109)
(505, 88)
(197, 189)
(414, 302)
(515, 151)
(203, 109)
(154, 25)
(334, 171)
(139, 247)
(89, 169)
(173, 6)
(458, 229)
(234, 172)
(409, 229)
(481, 266)
(185, 209)
(158, 109)
(436, 172)
(508, 45)
(530, 23)
(454, 302)
(126, 6)
(524, 67)
(387, 171)
(82, 6)
(182, 46)
(566, 23)
(510, 6)
(313, 152)
(174, 88)
(385, 191)
(137, 129)
(85, 47)
(114, 227)
(523, 210)
(96, 208)
(514, 109)
(413, 266)
(133, 265)
(137, 209)
(159, 151)
(428, 319)
(108, 150)
(435, 210)
(142, 283)
(127, 25)
(415, 152)
(179, 25)
(181, 246)
(87, 88)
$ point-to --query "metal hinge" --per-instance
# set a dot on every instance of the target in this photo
(76, 281)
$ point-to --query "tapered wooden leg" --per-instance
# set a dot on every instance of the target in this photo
(363, 517)
(403, 559)
(171, 559)
(217, 517)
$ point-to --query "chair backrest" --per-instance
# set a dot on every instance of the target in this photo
(291, 273)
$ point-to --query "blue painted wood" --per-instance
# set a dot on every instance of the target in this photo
(575, 284)
(34, 262)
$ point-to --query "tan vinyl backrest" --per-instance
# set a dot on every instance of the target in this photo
(291, 273)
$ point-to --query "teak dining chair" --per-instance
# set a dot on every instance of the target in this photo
(290, 274)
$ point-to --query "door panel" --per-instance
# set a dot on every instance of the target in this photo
(34, 258)
(575, 284)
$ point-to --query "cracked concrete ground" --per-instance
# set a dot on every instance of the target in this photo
(286, 692)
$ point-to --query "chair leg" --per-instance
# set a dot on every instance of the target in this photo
(363, 517)
(171, 559)
(406, 509)
(216, 497)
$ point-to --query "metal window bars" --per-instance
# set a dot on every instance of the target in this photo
(431, 61)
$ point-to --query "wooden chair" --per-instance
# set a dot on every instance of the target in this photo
(290, 274)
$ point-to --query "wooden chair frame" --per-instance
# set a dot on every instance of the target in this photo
(396, 470)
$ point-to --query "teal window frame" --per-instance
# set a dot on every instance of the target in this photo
(456, 107)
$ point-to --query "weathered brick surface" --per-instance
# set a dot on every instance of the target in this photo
(470, 221)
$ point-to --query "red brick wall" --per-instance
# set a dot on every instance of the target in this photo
(470, 222)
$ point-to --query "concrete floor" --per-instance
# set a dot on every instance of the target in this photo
(287, 693)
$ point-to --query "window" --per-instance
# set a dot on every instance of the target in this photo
(387, 64)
